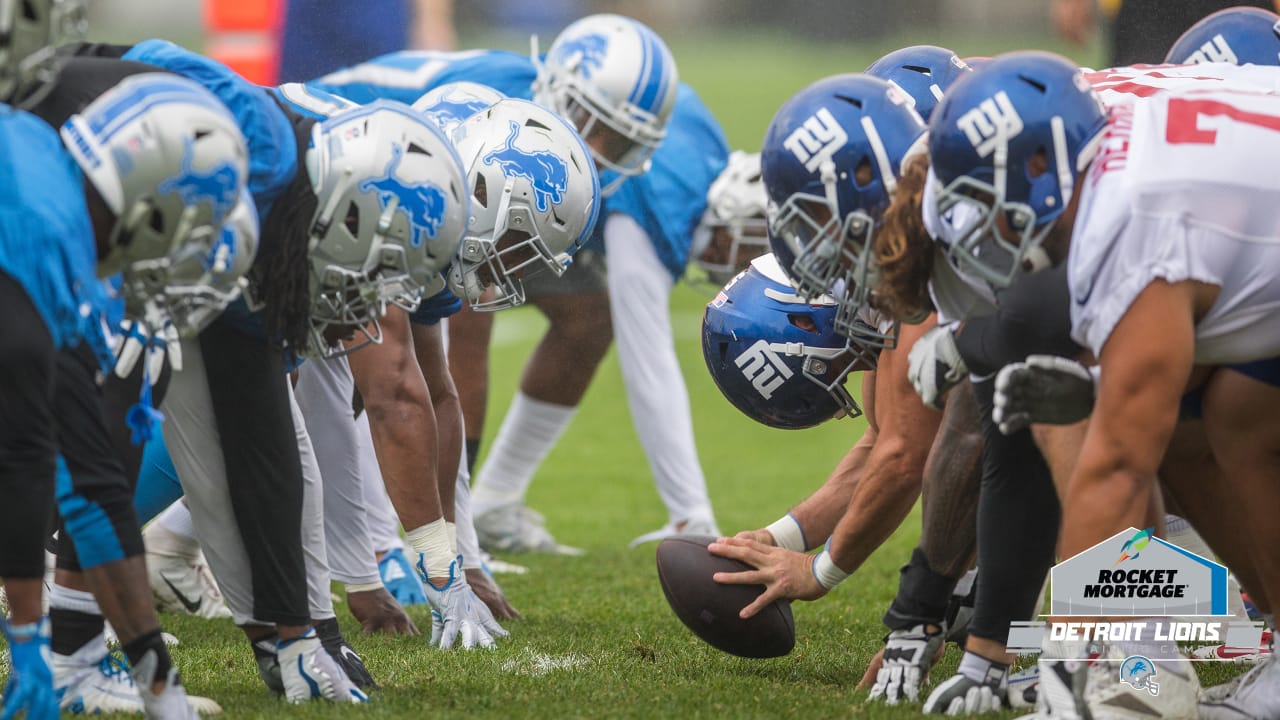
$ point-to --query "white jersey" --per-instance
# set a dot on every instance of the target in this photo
(1184, 188)
(1125, 85)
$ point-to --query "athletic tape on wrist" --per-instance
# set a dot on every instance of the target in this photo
(788, 534)
(432, 542)
(825, 570)
(452, 529)
(361, 587)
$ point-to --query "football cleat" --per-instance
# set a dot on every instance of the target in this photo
(695, 526)
(1256, 694)
(343, 655)
(1024, 685)
(400, 579)
(308, 672)
(173, 701)
(180, 579)
(90, 682)
(1079, 686)
(1225, 653)
(494, 566)
(517, 529)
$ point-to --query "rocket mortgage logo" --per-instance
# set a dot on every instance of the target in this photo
(1137, 588)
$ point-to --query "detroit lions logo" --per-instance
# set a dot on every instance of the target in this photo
(422, 203)
(546, 172)
(448, 113)
(591, 48)
(220, 186)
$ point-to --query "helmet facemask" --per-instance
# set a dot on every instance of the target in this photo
(499, 259)
(30, 32)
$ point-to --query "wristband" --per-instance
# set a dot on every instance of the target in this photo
(361, 587)
(787, 533)
(825, 570)
(431, 541)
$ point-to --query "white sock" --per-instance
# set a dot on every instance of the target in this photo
(177, 519)
(529, 431)
(82, 601)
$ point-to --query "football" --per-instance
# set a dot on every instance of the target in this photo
(710, 609)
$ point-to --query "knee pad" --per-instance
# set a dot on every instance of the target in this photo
(98, 516)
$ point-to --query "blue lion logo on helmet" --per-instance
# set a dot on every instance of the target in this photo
(591, 47)
(448, 113)
(220, 186)
(546, 172)
(423, 203)
(1139, 673)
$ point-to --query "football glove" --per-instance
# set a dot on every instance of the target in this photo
(30, 687)
(1043, 389)
(908, 655)
(960, 695)
(456, 612)
(934, 365)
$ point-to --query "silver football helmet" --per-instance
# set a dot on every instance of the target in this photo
(29, 32)
(168, 160)
(615, 80)
(392, 209)
(733, 230)
(201, 285)
(535, 200)
(448, 105)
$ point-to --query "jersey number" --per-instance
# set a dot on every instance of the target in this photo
(1184, 120)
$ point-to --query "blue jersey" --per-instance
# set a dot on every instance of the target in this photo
(668, 201)
(273, 147)
(46, 239)
(323, 35)
(408, 75)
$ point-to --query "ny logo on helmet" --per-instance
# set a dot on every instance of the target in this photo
(994, 120)
(816, 140)
(1215, 51)
(220, 186)
(763, 368)
(589, 51)
(545, 171)
(422, 203)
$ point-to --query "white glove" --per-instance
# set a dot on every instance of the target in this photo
(962, 696)
(908, 655)
(1044, 389)
(457, 612)
(935, 366)
(308, 672)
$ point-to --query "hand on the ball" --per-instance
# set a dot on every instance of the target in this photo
(761, 536)
(785, 574)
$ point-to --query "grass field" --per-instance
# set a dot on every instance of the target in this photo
(597, 638)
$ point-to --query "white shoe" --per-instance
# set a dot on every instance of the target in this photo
(500, 567)
(517, 529)
(1024, 686)
(92, 681)
(308, 672)
(172, 703)
(1088, 685)
(1254, 695)
(1239, 656)
(113, 641)
(180, 579)
(693, 526)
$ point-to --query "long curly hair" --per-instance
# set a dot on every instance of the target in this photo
(281, 274)
(903, 249)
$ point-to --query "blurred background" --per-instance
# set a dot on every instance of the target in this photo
(731, 51)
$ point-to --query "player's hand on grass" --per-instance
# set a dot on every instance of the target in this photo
(457, 614)
(378, 611)
(491, 594)
(906, 659)
(785, 574)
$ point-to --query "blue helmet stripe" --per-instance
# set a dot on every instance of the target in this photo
(638, 86)
(655, 83)
(109, 119)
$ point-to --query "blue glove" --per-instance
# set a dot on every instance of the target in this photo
(30, 687)
(401, 579)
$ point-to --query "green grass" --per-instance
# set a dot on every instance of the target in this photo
(606, 611)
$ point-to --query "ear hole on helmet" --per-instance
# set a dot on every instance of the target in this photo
(481, 192)
(864, 174)
(804, 322)
(1038, 164)
(352, 220)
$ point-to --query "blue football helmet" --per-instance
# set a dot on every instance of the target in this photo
(923, 72)
(777, 356)
(448, 105)
(983, 138)
(830, 162)
(1238, 35)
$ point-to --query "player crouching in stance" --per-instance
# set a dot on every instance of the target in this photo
(163, 164)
